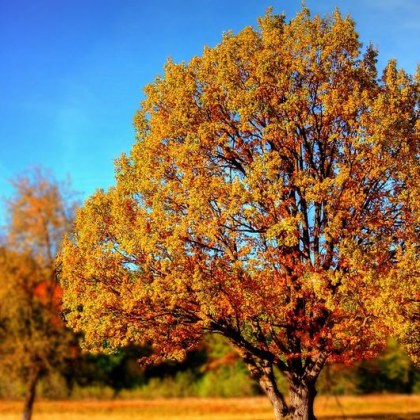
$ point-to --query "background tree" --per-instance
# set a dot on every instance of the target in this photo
(269, 198)
(34, 338)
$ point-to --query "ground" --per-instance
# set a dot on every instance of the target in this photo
(395, 407)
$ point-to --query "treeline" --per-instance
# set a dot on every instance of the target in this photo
(212, 371)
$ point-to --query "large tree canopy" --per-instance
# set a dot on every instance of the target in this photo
(272, 196)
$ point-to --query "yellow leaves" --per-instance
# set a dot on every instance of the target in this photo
(286, 232)
(268, 188)
(39, 216)
(30, 310)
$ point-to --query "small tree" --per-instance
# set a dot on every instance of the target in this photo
(34, 339)
(271, 197)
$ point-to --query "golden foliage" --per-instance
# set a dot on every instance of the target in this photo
(272, 196)
(34, 338)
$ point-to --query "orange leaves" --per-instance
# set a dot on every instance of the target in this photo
(266, 197)
(30, 294)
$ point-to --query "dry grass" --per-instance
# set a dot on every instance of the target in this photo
(367, 407)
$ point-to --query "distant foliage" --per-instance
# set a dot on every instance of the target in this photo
(34, 340)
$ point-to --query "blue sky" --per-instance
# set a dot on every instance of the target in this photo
(72, 72)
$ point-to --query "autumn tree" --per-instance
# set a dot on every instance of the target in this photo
(271, 197)
(34, 339)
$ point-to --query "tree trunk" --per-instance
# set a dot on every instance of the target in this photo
(275, 397)
(30, 394)
(264, 375)
(302, 396)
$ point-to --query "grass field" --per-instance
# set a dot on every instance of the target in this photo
(327, 408)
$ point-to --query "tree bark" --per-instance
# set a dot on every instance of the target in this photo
(302, 396)
(30, 394)
(275, 397)
(264, 375)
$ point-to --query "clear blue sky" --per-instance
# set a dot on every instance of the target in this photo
(72, 72)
